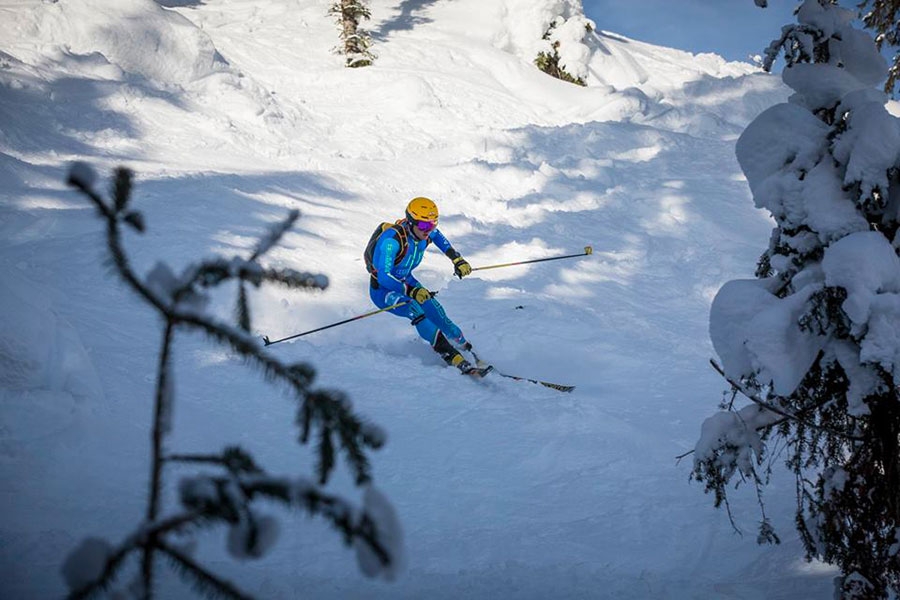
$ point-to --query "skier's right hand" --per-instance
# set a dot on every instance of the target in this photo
(419, 294)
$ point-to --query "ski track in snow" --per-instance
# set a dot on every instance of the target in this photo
(504, 489)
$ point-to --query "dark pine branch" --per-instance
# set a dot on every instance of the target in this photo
(216, 271)
(292, 279)
(304, 420)
(234, 459)
(202, 580)
(326, 454)
(110, 571)
(316, 502)
(298, 494)
(114, 242)
(325, 412)
(161, 420)
(131, 544)
(121, 189)
(242, 310)
(336, 415)
(275, 234)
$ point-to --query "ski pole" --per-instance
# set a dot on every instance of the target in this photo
(356, 318)
(587, 251)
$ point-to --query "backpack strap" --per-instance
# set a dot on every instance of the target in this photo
(400, 230)
(401, 235)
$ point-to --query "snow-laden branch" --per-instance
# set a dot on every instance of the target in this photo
(785, 414)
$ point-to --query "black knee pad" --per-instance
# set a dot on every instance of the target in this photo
(441, 344)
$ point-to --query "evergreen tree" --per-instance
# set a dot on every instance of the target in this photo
(228, 491)
(355, 42)
(883, 17)
(548, 60)
(814, 341)
(565, 45)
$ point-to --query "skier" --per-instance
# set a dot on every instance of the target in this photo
(394, 250)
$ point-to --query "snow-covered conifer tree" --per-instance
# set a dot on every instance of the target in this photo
(564, 52)
(355, 42)
(814, 341)
(231, 486)
(883, 17)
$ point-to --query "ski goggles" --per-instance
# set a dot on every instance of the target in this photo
(425, 226)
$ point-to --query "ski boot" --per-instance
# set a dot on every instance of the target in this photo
(453, 358)
(467, 368)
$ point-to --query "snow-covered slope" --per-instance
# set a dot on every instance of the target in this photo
(234, 111)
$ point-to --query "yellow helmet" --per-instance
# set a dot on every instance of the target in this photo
(422, 210)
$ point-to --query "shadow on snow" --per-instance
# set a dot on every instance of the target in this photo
(408, 18)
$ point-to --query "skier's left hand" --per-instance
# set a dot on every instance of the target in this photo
(461, 267)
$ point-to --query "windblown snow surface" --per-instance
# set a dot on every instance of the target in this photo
(232, 112)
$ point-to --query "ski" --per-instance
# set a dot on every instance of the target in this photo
(555, 386)
(490, 369)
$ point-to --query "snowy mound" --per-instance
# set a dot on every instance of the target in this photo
(140, 69)
(120, 40)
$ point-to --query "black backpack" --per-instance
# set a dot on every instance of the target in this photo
(369, 254)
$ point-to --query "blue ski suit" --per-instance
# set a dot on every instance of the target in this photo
(389, 285)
